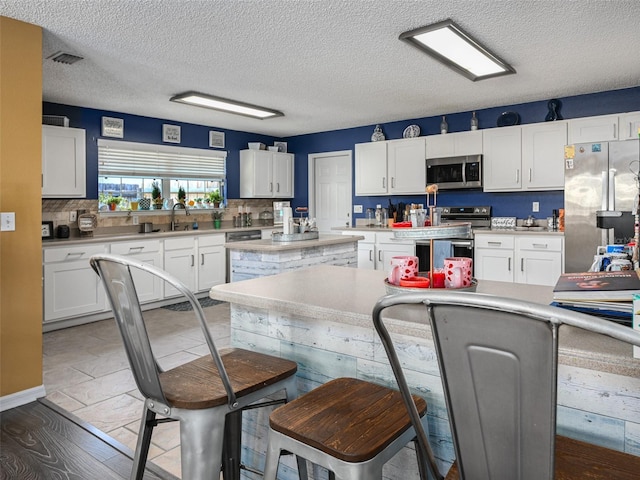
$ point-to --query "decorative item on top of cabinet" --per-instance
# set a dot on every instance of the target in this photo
(474, 122)
(508, 119)
(444, 126)
(554, 110)
(412, 131)
(377, 136)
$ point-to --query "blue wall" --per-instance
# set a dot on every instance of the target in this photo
(149, 130)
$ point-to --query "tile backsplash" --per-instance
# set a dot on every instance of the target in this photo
(58, 211)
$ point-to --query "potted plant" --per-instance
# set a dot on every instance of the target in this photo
(156, 195)
(215, 198)
(110, 200)
(217, 219)
(182, 195)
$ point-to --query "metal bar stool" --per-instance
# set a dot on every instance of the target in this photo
(498, 361)
(201, 394)
(348, 426)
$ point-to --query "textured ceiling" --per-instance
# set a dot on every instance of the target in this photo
(327, 64)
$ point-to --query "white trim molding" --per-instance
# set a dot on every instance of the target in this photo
(21, 398)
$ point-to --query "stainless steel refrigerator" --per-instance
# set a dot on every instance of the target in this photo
(600, 198)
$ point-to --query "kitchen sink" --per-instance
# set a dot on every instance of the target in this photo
(531, 229)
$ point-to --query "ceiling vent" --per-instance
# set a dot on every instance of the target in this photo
(66, 58)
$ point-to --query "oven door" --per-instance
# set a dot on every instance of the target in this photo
(458, 247)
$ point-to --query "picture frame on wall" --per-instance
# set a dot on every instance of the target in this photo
(216, 139)
(47, 230)
(112, 127)
(170, 133)
(282, 146)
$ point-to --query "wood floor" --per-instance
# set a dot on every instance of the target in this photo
(40, 441)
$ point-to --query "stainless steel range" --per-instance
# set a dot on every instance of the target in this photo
(478, 217)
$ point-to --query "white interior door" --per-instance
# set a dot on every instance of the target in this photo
(330, 188)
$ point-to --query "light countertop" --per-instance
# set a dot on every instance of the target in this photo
(268, 245)
(500, 231)
(349, 294)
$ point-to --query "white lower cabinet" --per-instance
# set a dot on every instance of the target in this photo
(377, 248)
(538, 259)
(71, 287)
(494, 257)
(530, 259)
(180, 261)
(148, 287)
(211, 261)
(198, 262)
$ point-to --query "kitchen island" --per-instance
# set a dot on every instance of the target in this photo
(259, 258)
(320, 317)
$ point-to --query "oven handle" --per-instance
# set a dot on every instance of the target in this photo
(462, 243)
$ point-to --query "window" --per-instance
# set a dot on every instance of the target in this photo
(127, 170)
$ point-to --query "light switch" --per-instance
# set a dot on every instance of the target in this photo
(536, 207)
(8, 221)
(357, 209)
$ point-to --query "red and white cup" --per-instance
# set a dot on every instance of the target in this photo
(457, 271)
(402, 267)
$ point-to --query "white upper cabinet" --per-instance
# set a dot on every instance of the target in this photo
(454, 144)
(629, 126)
(391, 167)
(502, 161)
(604, 128)
(543, 155)
(407, 168)
(64, 162)
(527, 157)
(265, 174)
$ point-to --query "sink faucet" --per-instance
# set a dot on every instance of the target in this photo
(174, 222)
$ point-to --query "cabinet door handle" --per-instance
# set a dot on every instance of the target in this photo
(384, 182)
(202, 259)
(75, 254)
(522, 264)
(278, 187)
(193, 260)
(530, 175)
(517, 175)
(540, 245)
(379, 255)
(136, 249)
(630, 130)
(393, 182)
(494, 244)
(509, 265)
(614, 131)
(371, 255)
(271, 186)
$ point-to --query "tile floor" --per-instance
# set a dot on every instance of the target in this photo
(86, 372)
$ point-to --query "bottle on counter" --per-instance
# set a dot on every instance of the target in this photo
(381, 216)
(370, 217)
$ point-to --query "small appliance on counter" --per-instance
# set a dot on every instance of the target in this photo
(278, 212)
(87, 223)
(146, 227)
(62, 231)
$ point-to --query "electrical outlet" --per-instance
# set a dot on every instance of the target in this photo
(136, 220)
(357, 209)
(73, 216)
(535, 207)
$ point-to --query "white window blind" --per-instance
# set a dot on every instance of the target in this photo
(130, 159)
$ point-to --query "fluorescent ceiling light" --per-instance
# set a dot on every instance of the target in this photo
(224, 105)
(447, 43)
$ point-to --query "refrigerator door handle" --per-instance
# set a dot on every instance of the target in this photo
(612, 189)
(605, 190)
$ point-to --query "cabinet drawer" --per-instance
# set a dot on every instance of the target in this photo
(369, 237)
(494, 241)
(179, 243)
(70, 254)
(211, 240)
(132, 248)
(540, 243)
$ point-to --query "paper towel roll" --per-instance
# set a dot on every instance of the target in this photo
(287, 214)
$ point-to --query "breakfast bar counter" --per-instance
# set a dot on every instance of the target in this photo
(320, 317)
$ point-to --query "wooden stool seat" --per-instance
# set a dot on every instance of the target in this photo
(346, 418)
(197, 384)
(576, 460)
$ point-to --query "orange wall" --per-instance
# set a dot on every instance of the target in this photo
(20, 192)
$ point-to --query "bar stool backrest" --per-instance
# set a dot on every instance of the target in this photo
(498, 364)
(115, 272)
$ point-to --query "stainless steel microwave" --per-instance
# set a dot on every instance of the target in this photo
(455, 172)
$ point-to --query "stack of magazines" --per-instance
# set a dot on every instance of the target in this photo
(604, 294)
